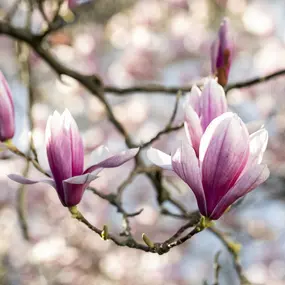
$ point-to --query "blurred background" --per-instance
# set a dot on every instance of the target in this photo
(138, 42)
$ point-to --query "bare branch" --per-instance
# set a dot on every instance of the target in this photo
(21, 209)
(150, 88)
(257, 80)
(233, 249)
(217, 268)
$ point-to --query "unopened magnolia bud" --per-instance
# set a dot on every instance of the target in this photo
(221, 53)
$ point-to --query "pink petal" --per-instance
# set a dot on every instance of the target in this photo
(258, 144)
(193, 99)
(186, 166)
(224, 151)
(193, 128)
(64, 148)
(99, 154)
(74, 187)
(76, 143)
(251, 179)
(7, 114)
(114, 160)
(159, 158)
(23, 180)
(213, 102)
(58, 146)
(84, 178)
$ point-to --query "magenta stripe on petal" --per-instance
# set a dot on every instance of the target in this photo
(186, 166)
(213, 102)
(226, 148)
(76, 144)
(74, 187)
(193, 128)
(7, 113)
(249, 181)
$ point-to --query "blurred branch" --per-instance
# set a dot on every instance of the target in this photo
(21, 205)
(234, 250)
(23, 54)
(165, 131)
(91, 82)
(150, 88)
(16, 151)
(171, 90)
(10, 14)
(217, 268)
(254, 81)
(54, 24)
(168, 128)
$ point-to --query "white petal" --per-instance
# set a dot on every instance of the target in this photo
(159, 158)
(258, 144)
(99, 154)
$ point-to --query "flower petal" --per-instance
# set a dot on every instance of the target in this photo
(64, 148)
(159, 158)
(186, 166)
(213, 102)
(114, 160)
(7, 113)
(76, 143)
(251, 179)
(99, 154)
(224, 151)
(74, 187)
(58, 146)
(193, 99)
(193, 128)
(258, 144)
(23, 180)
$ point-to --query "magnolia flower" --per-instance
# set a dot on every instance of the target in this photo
(221, 53)
(7, 113)
(66, 158)
(201, 108)
(228, 165)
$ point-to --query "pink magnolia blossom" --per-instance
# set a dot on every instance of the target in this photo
(221, 53)
(66, 158)
(201, 108)
(228, 165)
(7, 113)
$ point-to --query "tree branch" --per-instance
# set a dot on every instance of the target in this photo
(256, 80)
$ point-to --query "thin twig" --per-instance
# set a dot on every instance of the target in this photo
(16, 151)
(53, 24)
(255, 80)
(233, 249)
(160, 133)
(159, 248)
(21, 205)
(10, 14)
(191, 223)
(217, 268)
(156, 88)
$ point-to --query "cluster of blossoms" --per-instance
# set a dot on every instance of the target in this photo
(219, 161)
